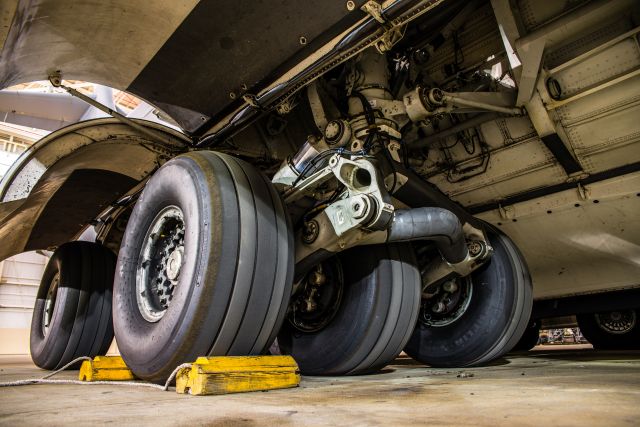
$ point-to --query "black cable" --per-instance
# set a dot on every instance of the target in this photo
(313, 162)
(369, 113)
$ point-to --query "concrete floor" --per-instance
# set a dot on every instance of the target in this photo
(552, 385)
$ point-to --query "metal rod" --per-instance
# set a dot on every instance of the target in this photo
(461, 102)
(57, 82)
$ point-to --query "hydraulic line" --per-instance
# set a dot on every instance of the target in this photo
(440, 226)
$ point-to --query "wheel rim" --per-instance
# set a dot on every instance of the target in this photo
(616, 322)
(318, 297)
(160, 262)
(446, 303)
(49, 304)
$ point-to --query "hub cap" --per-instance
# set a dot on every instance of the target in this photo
(446, 303)
(617, 322)
(318, 298)
(160, 263)
(49, 304)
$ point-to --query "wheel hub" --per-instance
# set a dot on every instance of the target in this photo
(318, 298)
(160, 263)
(49, 304)
(446, 303)
(617, 322)
(174, 263)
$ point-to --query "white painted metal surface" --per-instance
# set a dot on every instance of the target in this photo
(19, 280)
(590, 239)
(575, 245)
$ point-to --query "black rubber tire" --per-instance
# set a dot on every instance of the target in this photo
(495, 319)
(81, 322)
(530, 337)
(605, 340)
(375, 319)
(237, 271)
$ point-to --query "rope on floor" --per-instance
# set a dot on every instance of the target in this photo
(45, 379)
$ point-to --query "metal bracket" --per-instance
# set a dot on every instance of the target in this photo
(374, 9)
(506, 212)
(367, 202)
(285, 107)
(583, 192)
(362, 179)
(252, 100)
(392, 34)
(438, 270)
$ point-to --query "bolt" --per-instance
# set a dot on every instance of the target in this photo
(359, 209)
(475, 248)
(310, 232)
(351, 5)
(317, 278)
(333, 132)
(438, 307)
(450, 286)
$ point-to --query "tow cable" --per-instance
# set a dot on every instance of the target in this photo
(45, 379)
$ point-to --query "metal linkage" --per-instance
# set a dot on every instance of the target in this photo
(56, 81)
(440, 269)
(422, 103)
(365, 201)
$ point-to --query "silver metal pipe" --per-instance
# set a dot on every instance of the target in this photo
(462, 102)
(438, 225)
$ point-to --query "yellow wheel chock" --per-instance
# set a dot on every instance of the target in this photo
(105, 368)
(237, 374)
(208, 375)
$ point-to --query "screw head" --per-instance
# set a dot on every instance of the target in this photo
(351, 5)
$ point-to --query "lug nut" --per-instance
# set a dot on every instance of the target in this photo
(438, 307)
(359, 209)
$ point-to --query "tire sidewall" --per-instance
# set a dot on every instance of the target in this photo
(374, 277)
(175, 185)
(485, 330)
(47, 350)
(602, 339)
